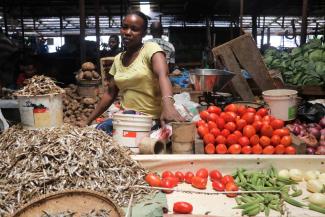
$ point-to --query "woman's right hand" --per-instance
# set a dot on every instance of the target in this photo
(169, 113)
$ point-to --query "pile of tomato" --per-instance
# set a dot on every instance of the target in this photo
(243, 130)
(198, 180)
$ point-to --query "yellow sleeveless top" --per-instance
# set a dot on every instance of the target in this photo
(138, 84)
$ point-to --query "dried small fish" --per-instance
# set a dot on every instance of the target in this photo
(40, 161)
(39, 85)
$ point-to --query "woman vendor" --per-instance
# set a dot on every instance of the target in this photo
(140, 74)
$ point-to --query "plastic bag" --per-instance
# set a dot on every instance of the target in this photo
(186, 107)
(310, 113)
(162, 133)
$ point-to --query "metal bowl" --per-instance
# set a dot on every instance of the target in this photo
(208, 80)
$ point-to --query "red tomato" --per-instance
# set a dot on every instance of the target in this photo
(203, 172)
(249, 131)
(250, 109)
(290, 150)
(254, 140)
(243, 141)
(248, 117)
(280, 149)
(173, 179)
(265, 141)
(231, 108)
(277, 124)
(188, 177)
(222, 115)
(220, 123)
(166, 174)
(275, 140)
(281, 132)
(221, 149)
(257, 117)
(257, 149)
(267, 118)
(209, 149)
(227, 179)
(200, 123)
(267, 130)
(232, 139)
(211, 125)
(182, 208)
(215, 131)
(214, 109)
(153, 180)
(231, 126)
(241, 123)
(241, 109)
(217, 185)
(199, 182)
(262, 112)
(269, 150)
(202, 131)
(286, 140)
(230, 117)
(238, 133)
(234, 149)
(246, 149)
(180, 176)
(208, 138)
(213, 117)
(258, 125)
(225, 132)
(215, 175)
(204, 115)
(167, 183)
(221, 139)
(230, 186)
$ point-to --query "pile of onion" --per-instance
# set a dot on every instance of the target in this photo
(313, 134)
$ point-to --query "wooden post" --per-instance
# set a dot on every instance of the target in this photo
(303, 35)
(254, 28)
(61, 28)
(5, 20)
(97, 31)
(22, 27)
(241, 16)
(82, 31)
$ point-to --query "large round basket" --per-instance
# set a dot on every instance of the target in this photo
(80, 202)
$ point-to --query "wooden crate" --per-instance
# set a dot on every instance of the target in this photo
(242, 53)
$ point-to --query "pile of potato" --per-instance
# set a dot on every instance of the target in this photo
(87, 72)
(76, 109)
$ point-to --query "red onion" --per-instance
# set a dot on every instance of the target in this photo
(322, 132)
(320, 150)
(322, 122)
(318, 126)
(322, 142)
(315, 132)
(290, 127)
(296, 130)
(303, 132)
(311, 125)
(310, 150)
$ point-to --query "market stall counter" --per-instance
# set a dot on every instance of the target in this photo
(215, 204)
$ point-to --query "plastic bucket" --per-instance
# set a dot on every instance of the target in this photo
(282, 103)
(129, 130)
(42, 111)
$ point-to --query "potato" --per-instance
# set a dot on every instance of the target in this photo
(87, 66)
(95, 75)
(88, 101)
(88, 75)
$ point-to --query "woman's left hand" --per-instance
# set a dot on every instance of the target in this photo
(169, 113)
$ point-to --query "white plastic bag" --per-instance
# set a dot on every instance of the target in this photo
(186, 107)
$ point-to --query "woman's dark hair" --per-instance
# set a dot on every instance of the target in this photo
(142, 15)
(115, 37)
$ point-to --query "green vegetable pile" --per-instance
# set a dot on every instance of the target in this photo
(285, 190)
(304, 65)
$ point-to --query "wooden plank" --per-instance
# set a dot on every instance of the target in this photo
(249, 57)
(238, 82)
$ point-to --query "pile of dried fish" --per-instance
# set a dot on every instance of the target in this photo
(35, 162)
(39, 85)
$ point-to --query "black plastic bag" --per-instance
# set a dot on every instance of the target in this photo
(311, 113)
